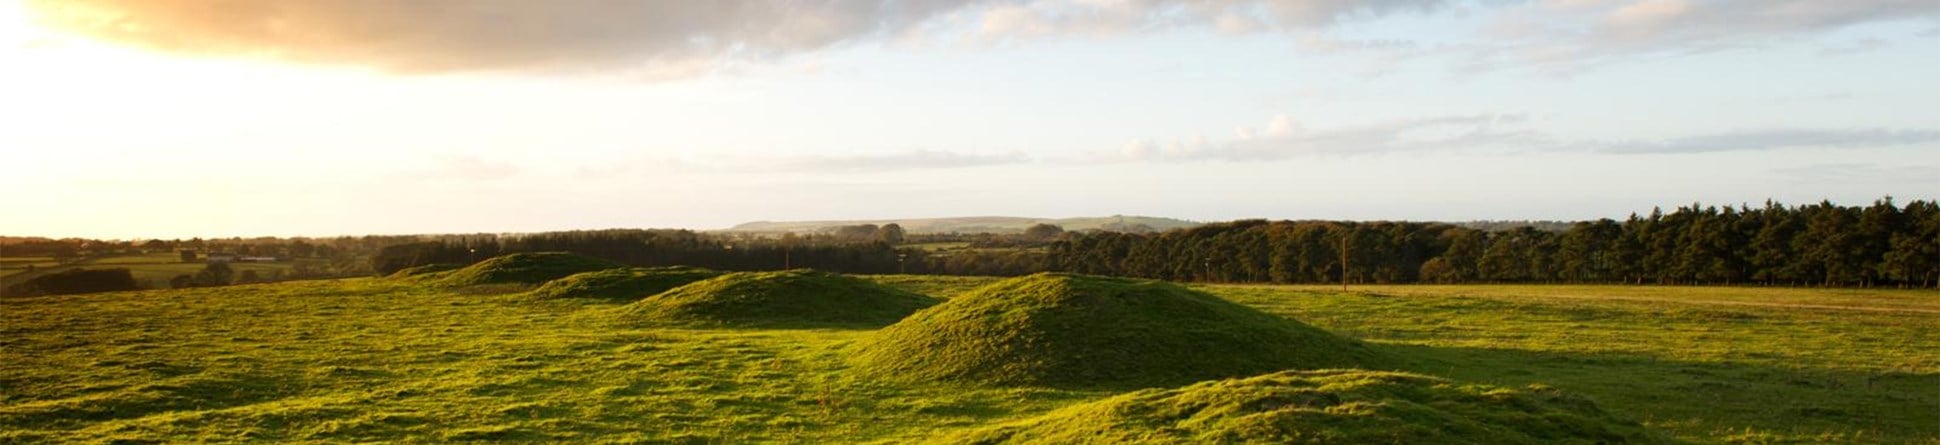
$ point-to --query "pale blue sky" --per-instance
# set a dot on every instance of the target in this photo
(386, 118)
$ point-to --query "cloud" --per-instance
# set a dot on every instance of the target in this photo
(1834, 96)
(920, 159)
(471, 168)
(638, 166)
(1853, 173)
(1283, 138)
(1773, 139)
(673, 39)
(1100, 18)
(1861, 46)
(893, 161)
(662, 38)
(1576, 35)
(457, 35)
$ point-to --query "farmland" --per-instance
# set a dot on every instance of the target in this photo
(151, 270)
(375, 359)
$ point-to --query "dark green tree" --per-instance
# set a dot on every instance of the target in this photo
(217, 273)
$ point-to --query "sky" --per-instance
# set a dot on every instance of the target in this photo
(136, 119)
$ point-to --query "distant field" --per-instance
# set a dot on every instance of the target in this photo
(937, 247)
(1884, 299)
(25, 260)
(149, 258)
(152, 270)
(159, 274)
(947, 248)
(379, 360)
(9, 265)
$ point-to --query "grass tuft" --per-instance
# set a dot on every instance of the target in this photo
(1063, 330)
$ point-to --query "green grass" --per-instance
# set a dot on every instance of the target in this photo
(375, 360)
(146, 258)
(939, 246)
(1085, 331)
(1327, 407)
(1702, 362)
(939, 286)
(524, 268)
(1836, 298)
(425, 272)
(621, 285)
(10, 263)
(799, 297)
(153, 270)
(15, 269)
(158, 275)
(343, 362)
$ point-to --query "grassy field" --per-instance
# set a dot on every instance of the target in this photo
(1738, 365)
(940, 246)
(11, 265)
(147, 258)
(387, 360)
(151, 270)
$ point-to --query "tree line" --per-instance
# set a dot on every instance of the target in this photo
(1810, 245)
(848, 250)
(344, 255)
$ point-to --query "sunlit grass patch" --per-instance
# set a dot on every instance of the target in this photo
(1085, 331)
(798, 297)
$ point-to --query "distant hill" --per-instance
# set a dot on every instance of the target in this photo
(1498, 226)
(977, 224)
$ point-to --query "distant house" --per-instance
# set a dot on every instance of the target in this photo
(257, 259)
(222, 257)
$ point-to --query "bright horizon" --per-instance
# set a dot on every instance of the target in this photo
(127, 120)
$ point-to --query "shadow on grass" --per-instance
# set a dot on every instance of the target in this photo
(745, 326)
(1716, 400)
(192, 391)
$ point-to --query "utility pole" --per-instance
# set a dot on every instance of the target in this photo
(1343, 259)
(900, 270)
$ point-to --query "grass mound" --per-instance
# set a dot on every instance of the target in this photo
(1064, 330)
(793, 297)
(425, 271)
(622, 284)
(525, 268)
(1326, 407)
